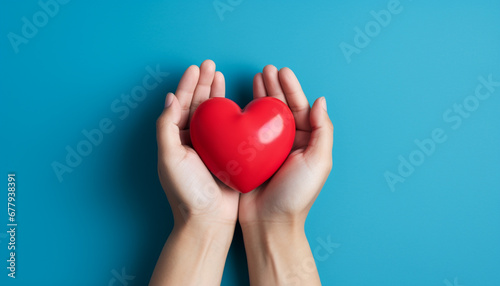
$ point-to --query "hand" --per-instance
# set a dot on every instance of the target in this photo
(205, 210)
(272, 216)
(192, 191)
(290, 193)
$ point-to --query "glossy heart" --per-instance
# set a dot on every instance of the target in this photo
(243, 148)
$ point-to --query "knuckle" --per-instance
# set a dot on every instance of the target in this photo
(160, 122)
(329, 124)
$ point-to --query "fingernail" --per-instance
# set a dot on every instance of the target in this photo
(323, 103)
(169, 99)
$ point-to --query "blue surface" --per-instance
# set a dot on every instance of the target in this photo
(438, 227)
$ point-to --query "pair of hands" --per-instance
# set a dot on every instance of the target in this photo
(201, 204)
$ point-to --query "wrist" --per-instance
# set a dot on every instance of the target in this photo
(293, 224)
(278, 253)
(274, 228)
(266, 238)
(221, 233)
(194, 254)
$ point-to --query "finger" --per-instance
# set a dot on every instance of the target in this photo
(167, 127)
(185, 91)
(272, 83)
(259, 89)
(297, 100)
(202, 91)
(218, 86)
(320, 144)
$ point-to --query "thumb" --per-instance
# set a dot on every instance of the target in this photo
(167, 126)
(320, 143)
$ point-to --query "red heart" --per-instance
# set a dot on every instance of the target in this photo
(243, 148)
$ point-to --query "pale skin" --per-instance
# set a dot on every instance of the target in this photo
(205, 211)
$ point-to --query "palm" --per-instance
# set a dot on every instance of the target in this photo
(209, 195)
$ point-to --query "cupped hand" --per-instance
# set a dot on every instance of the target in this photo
(290, 193)
(193, 193)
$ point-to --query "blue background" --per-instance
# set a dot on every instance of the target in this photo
(439, 227)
